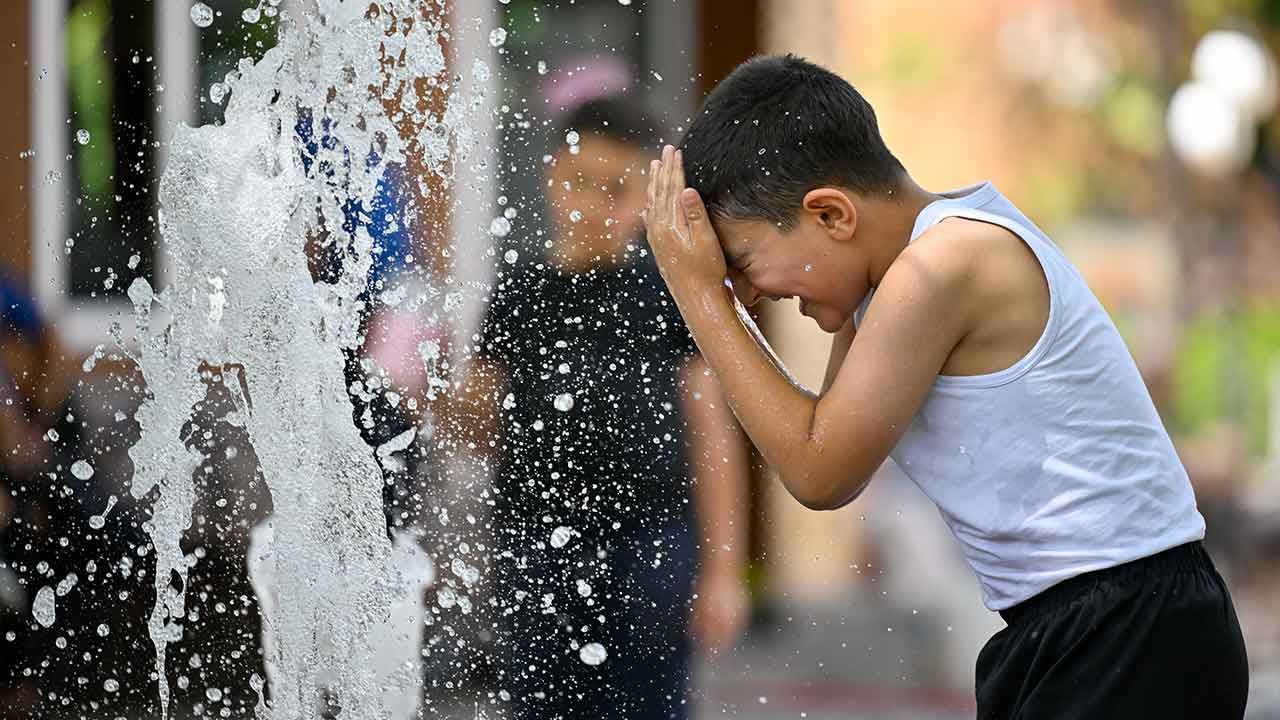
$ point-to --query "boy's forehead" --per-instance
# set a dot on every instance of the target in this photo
(738, 237)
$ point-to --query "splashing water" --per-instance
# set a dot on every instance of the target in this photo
(593, 654)
(237, 208)
(44, 608)
(201, 15)
(97, 522)
(82, 470)
(561, 536)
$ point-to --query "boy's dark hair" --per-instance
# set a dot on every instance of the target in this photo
(776, 128)
(614, 117)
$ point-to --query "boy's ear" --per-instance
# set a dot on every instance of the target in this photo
(833, 210)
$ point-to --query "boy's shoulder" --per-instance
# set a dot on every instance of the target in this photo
(958, 251)
(945, 258)
(990, 281)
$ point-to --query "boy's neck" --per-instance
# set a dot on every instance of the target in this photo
(888, 222)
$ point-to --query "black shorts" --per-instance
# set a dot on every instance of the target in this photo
(1153, 638)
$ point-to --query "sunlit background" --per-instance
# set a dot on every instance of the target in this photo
(1141, 136)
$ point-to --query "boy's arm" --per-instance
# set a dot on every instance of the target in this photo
(722, 472)
(840, 343)
(825, 449)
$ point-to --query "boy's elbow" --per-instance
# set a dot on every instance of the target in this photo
(814, 502)
(818, 493)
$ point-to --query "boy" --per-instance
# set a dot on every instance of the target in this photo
(595, 505)
(970, 350)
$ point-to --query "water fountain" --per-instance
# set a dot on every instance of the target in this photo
(240, 211)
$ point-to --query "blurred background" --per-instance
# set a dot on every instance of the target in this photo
(1142, 136)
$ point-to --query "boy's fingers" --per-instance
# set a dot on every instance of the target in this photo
(670, 165)
(696, 215)
(653, 185)
(679, 219)
(659, 185)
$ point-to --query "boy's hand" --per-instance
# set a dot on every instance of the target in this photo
(679, 231)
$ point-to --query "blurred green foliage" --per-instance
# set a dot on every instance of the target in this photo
(1132, 112)
(90, 80)
(1206, 14)
(1224, 371)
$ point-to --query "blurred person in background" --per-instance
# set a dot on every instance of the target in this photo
(621, 476)
(32, 391)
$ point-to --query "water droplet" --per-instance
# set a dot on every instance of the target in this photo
(469, 575)
(43, 609)
(542, 67)
(82, 136)
(52, 435)
(217, 93)
(110, 685)
(537, 424)
(251, 15)
(575, 215)
(214, 694)
(67, 583)
(808, 268)
(82, 469)
(134, 259)
(655, 75)
(509, 401)
(563, 369)
(561, 536)
(140, 293)
(201, 15)
(497, 37)
(563, 402)
(572, 137)
(500, 227)
(584, 589)
(593, 653)
(103, 630)
(763, 700)
(97, 522)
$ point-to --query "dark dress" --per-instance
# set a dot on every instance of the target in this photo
(592, 515)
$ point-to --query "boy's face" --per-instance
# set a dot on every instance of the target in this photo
(597, 194)
(826, 273)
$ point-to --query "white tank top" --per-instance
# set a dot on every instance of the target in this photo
(1059, 464)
